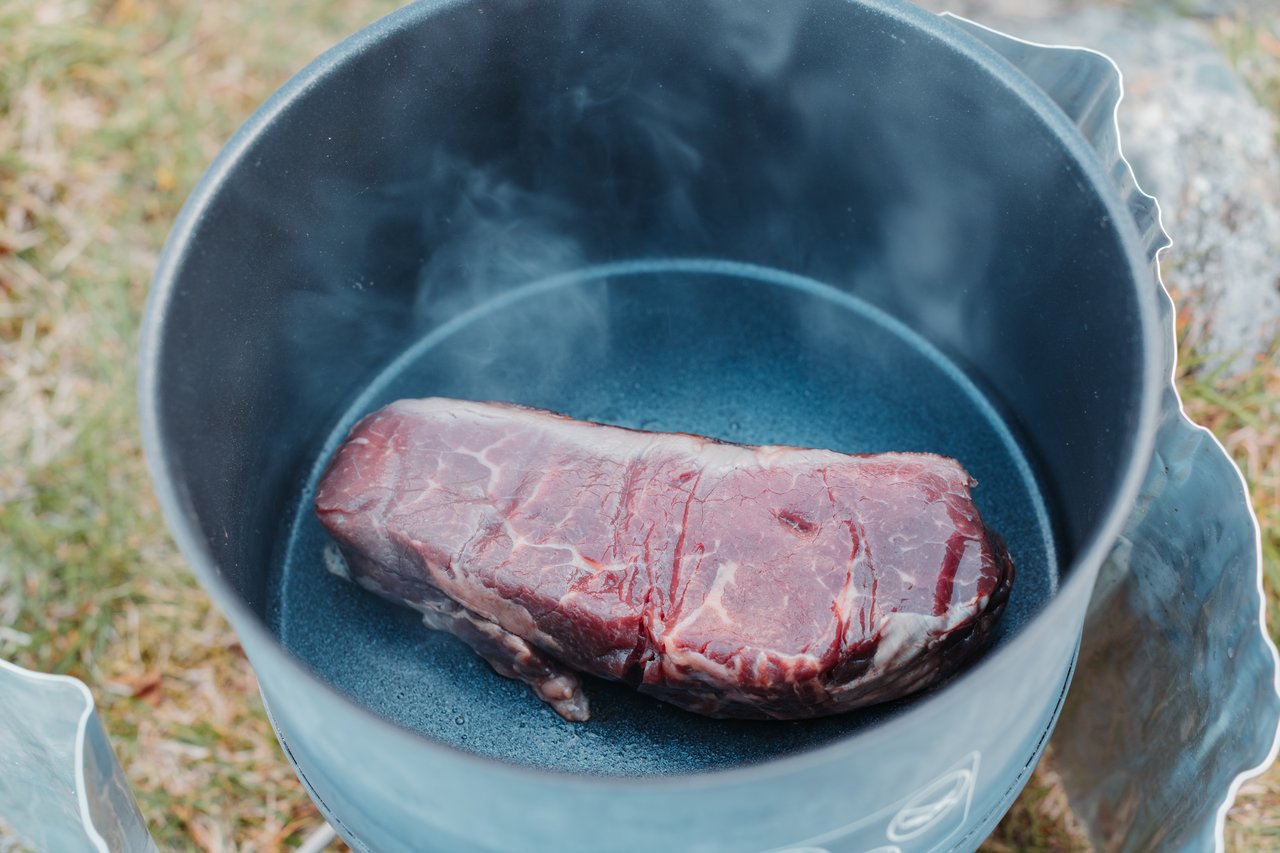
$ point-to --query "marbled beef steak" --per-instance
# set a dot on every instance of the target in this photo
(731, 580)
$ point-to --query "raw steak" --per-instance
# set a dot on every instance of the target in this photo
(734, 581)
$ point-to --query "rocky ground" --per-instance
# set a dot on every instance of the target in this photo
(1198, 139)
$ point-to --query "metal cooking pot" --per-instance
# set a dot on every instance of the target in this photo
(825, 223)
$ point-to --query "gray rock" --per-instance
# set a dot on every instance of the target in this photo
(1198, 140)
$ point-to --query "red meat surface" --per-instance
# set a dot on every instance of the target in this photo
(730, 580)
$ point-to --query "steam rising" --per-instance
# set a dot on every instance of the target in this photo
(502, 236)
(550, 137)
(618, 158)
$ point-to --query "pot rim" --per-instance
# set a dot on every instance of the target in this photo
(1083, 568)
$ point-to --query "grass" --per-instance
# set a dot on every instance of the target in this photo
(1253, 46)
(108, 114)
(109, 111)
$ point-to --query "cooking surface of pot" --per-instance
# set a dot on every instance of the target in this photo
(713, 348)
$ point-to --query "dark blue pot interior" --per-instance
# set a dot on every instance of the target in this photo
(765, 223)
(729, 350)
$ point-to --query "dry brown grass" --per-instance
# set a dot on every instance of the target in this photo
(108, 113)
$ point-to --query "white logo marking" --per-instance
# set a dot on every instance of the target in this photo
(931, 806)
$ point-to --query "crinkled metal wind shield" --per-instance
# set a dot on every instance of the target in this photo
(60, 784)
(1175, 643)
